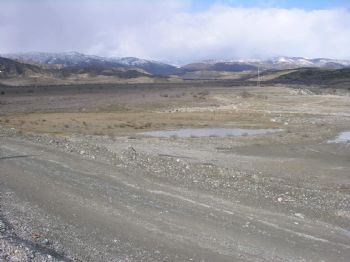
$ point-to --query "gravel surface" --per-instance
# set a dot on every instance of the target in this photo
(161, 205)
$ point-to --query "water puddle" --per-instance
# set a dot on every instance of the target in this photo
(209, 132)
(343, 137)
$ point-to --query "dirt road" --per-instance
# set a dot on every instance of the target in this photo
(65, 207)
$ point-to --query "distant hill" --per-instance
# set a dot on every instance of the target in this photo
(10, 68)
(277, 63)
(316, 76)
(13, 72)
(73, 60)
(98, 71)
(221, 66)
(78, 60)
(75, 65)
(299, 62)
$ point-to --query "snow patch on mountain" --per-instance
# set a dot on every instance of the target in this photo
(75, 59)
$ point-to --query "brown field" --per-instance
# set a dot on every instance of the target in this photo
(125, 112)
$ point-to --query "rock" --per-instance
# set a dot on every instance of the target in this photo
(82, 152)
(2, 226)
(45, 242)
(280, 199)
(299, 215)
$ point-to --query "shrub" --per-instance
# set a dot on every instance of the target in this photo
(148, 124)
(246, 94)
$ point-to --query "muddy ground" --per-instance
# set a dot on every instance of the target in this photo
(79, 180)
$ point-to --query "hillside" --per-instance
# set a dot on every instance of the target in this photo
(221, 66)
(18, 73)
(10, 68)
(78, 60)
(46, 68)
(313, 76)
(77, 63)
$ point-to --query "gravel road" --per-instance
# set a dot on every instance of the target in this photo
(63, 206)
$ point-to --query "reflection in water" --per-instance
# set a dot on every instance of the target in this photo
(343, 137)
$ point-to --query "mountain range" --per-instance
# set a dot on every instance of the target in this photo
(78, 60)
(68, 67)
(15, 72)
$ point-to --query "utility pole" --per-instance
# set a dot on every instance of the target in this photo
(258, 81)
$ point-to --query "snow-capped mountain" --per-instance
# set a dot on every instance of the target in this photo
(293, 62)
(75, 59)
(277, 63)
(66, 59)
(14, 69)
(131, 61)
(78, 60)
(151, 66)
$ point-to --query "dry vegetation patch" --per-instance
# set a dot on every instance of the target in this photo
(131, 122)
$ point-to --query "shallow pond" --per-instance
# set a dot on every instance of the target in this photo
(209, 132)
(343, 137)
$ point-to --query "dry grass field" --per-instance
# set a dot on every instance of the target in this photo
(129, 111)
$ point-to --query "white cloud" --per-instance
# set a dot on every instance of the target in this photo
(170, 30)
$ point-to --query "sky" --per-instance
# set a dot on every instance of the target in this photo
(302, 4)
(178, 31)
